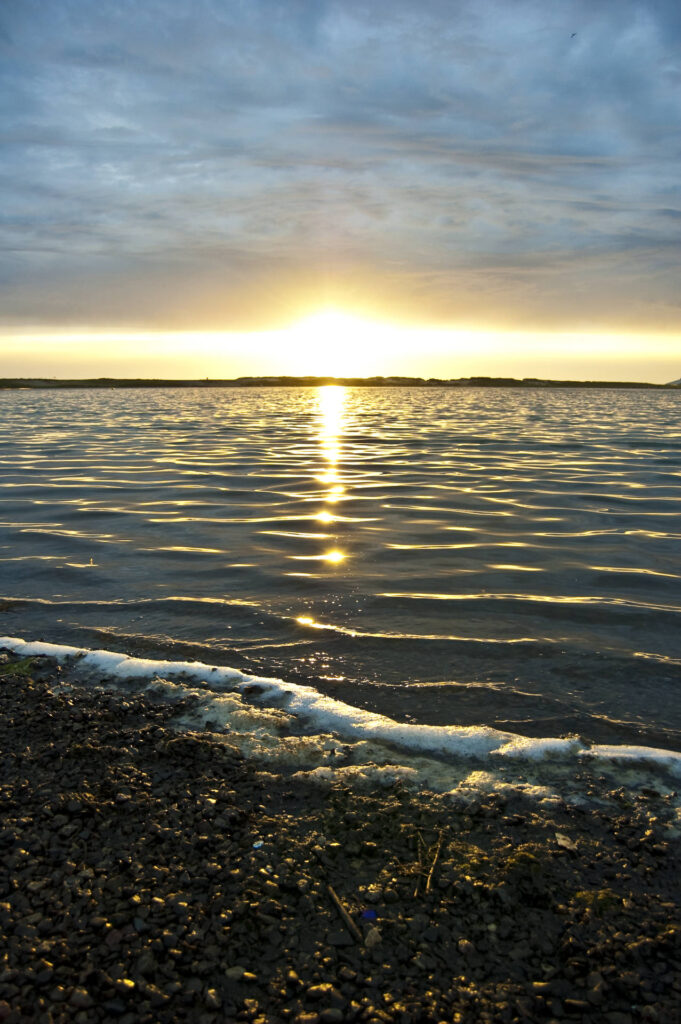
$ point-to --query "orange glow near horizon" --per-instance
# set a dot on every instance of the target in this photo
(333, 342)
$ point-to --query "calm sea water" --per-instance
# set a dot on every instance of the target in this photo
(478, 556)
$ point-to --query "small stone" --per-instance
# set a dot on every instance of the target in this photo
(331, 1015)
(235, 973)
(595, 995)
(577, 1006)
(322, 991)
(124, 986)
(81, 998)
(115, 1006)
(212, 999)
(146, 963)
(157, 997)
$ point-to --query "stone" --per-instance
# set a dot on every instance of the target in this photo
(81, 998)
(331, 1015)
(235, 973)
(212, 999)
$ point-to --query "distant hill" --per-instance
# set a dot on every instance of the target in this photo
(674, 383)
(373, 382)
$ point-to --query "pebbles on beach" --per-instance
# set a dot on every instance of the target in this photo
(151, 875)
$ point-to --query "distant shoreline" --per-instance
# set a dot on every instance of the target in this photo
(372, 382)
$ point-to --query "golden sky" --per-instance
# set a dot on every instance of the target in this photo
(335, 343)
(430, 189)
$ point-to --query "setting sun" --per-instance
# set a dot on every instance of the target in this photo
(338, 344)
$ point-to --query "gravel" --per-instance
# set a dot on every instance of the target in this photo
(151, 875)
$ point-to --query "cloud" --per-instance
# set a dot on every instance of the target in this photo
(166, 161)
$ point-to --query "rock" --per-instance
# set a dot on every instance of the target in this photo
(596, 994)
(212, 999)
(331, 1015)
(124, 986)
(235, 973)
(576, 1006)
(81, 998)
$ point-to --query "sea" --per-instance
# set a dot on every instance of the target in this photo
(454, 588)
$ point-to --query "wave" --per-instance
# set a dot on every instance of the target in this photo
(295, 728)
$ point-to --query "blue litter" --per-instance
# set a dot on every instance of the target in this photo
(368, 915)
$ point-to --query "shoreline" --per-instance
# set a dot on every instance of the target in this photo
(152, 875)
(42, 383)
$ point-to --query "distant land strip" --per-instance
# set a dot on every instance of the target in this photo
(289, 382)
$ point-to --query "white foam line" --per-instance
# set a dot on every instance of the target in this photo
(346, 721)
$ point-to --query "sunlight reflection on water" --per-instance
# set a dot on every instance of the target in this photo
(481, 536)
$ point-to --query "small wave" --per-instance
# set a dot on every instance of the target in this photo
(293, 727)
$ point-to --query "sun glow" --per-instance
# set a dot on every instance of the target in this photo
(338, 344)
(334, 342)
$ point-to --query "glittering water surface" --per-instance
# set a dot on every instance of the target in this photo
(499, 556)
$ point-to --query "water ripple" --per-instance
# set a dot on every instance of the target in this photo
(488, 537)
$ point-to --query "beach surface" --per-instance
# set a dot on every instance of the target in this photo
(151, 874)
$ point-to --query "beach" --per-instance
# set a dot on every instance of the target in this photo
(150, 874)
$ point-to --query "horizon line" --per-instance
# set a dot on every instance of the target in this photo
(320, 380)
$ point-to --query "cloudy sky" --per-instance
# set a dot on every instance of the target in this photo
(497, 170)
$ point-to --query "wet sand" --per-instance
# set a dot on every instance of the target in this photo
(151, 875)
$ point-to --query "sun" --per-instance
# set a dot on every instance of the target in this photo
(333, 343)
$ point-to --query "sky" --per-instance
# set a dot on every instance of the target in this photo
(439, 188)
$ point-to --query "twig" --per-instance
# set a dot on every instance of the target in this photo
(420, 845)
(347, 920)
(432, 866)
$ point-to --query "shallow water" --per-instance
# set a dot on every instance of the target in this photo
(480, 556)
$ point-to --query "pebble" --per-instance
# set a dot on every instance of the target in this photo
(235, 973)
(138, 910)
(81, 998)
(212, 999)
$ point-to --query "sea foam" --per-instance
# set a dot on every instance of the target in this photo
(292, 727)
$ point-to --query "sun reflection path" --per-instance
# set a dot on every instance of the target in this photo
(331, 400)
